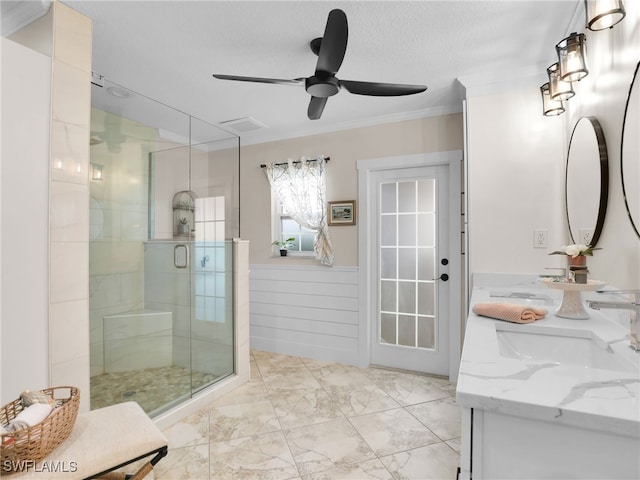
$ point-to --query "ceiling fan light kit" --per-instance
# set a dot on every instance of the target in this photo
(323, 84)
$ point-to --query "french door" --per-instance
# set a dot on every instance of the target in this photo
(408, 252)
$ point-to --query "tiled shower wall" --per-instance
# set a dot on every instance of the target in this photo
(118, 224)
(69, 197)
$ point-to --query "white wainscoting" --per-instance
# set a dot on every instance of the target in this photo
(308, 311)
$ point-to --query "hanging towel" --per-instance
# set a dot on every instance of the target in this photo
(510, 312)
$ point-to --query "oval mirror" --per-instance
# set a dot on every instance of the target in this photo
(587, 182)
(630, 153)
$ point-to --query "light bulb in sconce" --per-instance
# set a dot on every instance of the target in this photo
(97, 172)
(58, 163)
(558, 89)
(550, 107)
(572, 52)
(603, 14)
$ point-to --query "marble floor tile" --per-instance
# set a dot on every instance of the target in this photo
(433, 462)
(250, 392)
(243, 420)
(193, 430)
(299, 407)
(360, 399)
(290, 379)
(369, 470)
(255, 376)
(408, 389)
(303, 419)
(184, 464)
(456, 444)
(321, 447)
(442, 417)
(393, 431)
(335, 374)
(266, 361)
(261, 457)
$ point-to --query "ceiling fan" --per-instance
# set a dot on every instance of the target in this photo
(330, 50)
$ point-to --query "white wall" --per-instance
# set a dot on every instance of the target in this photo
(517, 159)
(612, 56)
(515, 171)
(25, 100)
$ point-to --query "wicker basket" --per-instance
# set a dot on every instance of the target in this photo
(35, 443)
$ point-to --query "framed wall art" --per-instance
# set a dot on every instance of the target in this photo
(342, 212)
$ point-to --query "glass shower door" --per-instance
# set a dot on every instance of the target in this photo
(193, 202)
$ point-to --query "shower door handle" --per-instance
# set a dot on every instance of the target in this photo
(181, 256)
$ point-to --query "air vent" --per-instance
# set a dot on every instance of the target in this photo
(246, 124)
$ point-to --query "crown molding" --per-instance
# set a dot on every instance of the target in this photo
(265, 137)
(16, 15)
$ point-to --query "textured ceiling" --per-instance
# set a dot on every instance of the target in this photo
(167, 50)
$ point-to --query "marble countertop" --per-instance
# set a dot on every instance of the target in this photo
(604, 400)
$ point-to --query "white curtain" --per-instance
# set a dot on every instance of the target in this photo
(300, 187)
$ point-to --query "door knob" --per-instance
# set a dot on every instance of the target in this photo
(444, 277)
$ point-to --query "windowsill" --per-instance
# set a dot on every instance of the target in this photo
(309, 256)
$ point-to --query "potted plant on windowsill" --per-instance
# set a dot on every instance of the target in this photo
(183, 226)
(284, 245)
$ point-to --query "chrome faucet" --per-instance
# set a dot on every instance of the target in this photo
(633, 306)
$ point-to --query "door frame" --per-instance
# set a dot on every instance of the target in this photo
(452, 159)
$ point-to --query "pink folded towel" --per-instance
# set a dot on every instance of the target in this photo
(509, 312)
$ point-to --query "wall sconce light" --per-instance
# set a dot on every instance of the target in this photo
(96, 171)
(558, 89)
(550, 107)
(602, 14)
(571, 57)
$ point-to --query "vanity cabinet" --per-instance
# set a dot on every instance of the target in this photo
(497, 446)
(564, 403)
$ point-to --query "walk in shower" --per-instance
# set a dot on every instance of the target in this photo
(164, 206)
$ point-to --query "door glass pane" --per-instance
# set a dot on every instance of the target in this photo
(426, 332)
(407, 297)
(388, 198)
(426, 263)
(407, 230)
(388, 263)
(406, 196)
(388, 328)
(426, 229)
(408, 263)
(407, 330)
(426, 195)
(388, 230)
(426, 298)
(388, 296)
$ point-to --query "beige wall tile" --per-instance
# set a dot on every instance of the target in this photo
(73, 38)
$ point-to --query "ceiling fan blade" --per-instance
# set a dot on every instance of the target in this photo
(381, 89)
(316, 106)
(278, 81)
(334, 43)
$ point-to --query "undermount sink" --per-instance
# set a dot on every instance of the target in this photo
(571, 347)
(525, 298)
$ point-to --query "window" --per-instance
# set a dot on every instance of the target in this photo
(286, 227)
(300, 186)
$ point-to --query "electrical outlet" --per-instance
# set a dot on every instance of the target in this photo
(540, 238)
(585, 235)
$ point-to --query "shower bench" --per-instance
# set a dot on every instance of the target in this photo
(101, 442)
